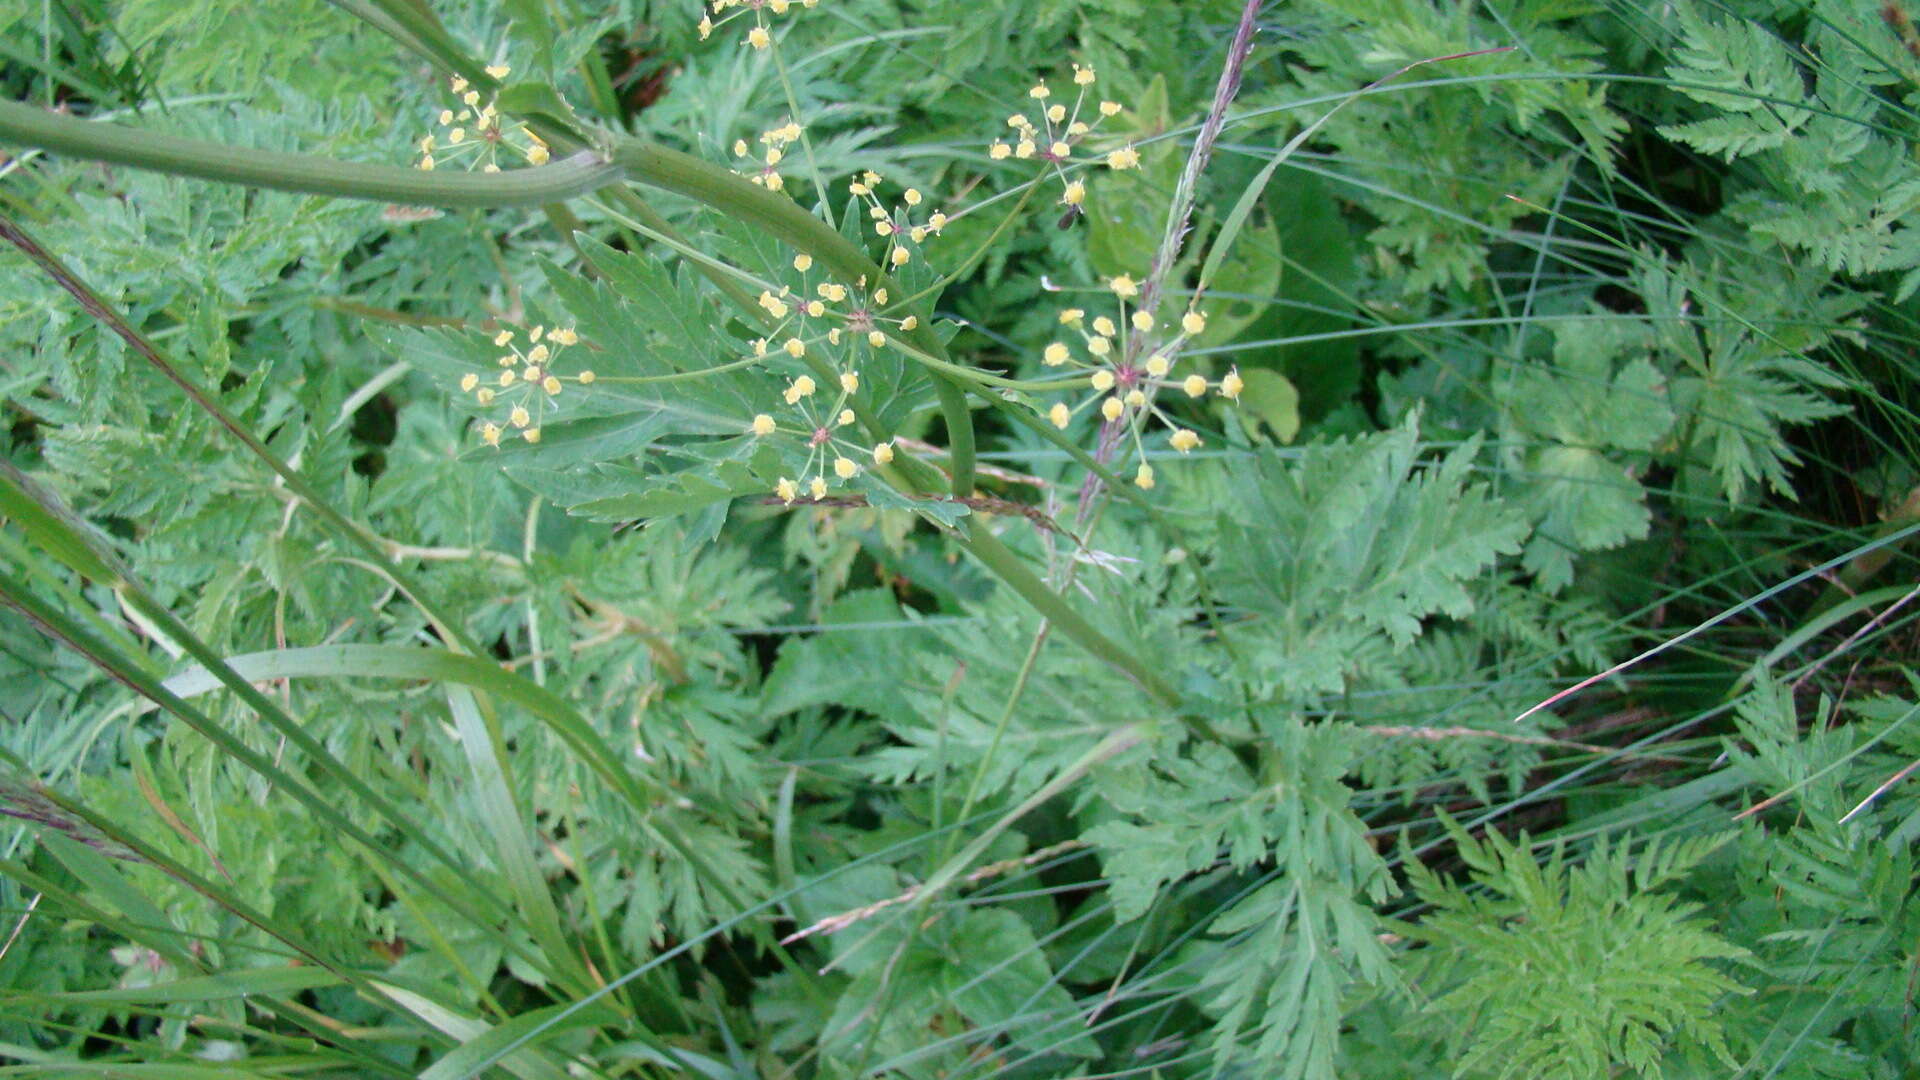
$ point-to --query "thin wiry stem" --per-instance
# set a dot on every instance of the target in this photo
(1174, 236)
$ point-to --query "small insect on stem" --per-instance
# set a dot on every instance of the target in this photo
(1067, 219)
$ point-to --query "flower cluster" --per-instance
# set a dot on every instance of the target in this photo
(850, 316)
(825, 317)
(775, 141)
(1059, 130)
(758, 36)
(895, 224)
(527, 384)
(474, 134)
(1124, 385)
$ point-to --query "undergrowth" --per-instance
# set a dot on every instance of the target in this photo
(1362, 538)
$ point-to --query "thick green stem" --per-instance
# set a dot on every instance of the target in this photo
(416, 28)
(645, 162)
(574, 176)
(578, 174)
(1008, 567)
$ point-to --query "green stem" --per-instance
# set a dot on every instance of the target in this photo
(449, 628)
(733, 195)
(566, 179)
(579, 174)
(1010, 569)
(633, 159)
(414, 25)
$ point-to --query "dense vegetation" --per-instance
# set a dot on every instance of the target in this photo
(1384, 552)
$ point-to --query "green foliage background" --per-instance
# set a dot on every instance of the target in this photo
(1595, 346)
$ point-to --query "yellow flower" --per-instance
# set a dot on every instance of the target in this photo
(519, 417)
(1054, 355)
(883, 453)
(818, 487)
(1232, 384)
(532, 434)
(1124, 287)
(1184, 440)
(801, 387)
(1193, 323)
(844, 468)
(759, 38)
(763, 424)
(796, 348)
(803, 262)
(1076, 193)
(1101, 380)
(1144, 477)
(490, 434)
(849, 381)
(1142, 321)
(786, 490)
(469, 381)
(1158, 365)
(1194, 385)
(1109, 108)
(1059, 414)
(1083, 76)
(1111, 409)
(499, 71)
(1124, 158)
